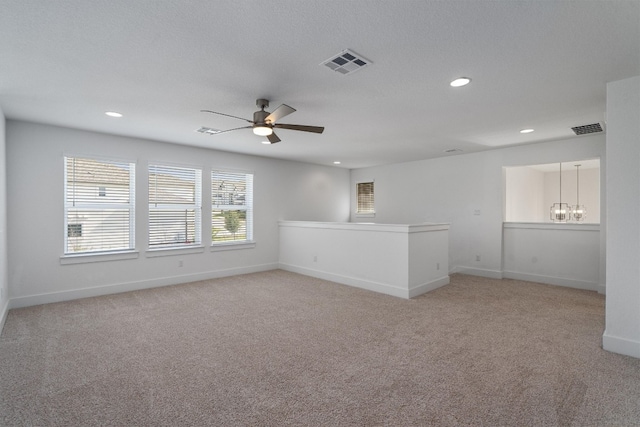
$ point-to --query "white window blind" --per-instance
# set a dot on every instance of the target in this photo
(232, 207)
(99, 205)
(175, 206)
(364, 191)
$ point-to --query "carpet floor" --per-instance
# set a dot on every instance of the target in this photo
(278, 348)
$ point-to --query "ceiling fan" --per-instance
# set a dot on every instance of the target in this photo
(264, 122)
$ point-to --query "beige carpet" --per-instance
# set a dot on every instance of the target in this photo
(277, 348)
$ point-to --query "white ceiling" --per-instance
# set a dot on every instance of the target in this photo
(533, 63)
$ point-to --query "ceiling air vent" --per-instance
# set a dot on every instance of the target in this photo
(346, 62)
(583, 130)
(208, 131)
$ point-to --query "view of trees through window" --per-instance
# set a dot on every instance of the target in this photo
(231, 210)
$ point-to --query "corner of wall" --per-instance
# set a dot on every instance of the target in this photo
(4, 285)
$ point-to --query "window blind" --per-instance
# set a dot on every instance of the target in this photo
(364, 191)
(231, 207)
(175, 206)
(99, 205)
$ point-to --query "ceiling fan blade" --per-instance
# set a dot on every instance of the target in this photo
(273, 138)
(314, 129)
(278, 113)
(229, 130)
(228, 115)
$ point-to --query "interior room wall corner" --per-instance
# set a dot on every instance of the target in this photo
(622, 333)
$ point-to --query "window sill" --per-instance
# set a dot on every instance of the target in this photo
(366, 215)
(153, 253)
(97, 257)
(232, 246)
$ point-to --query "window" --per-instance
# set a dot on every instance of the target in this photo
(175, 206)
(74, 230)
(531, 191)
(96, 223)
(364, 195)
(232, 207)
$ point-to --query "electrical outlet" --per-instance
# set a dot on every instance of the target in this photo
(437, 266)
(477, 257)
(180, 263)
(315, 258)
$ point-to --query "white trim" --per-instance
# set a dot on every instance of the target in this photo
(230, 246)
(551, 280)
(481, 272)
(602, 289)
(85, 257)
(349, 281)
(4, 312)
(428, 287)
(172, 164)
(52, 297)
(620, 345)
(369, 285)
(359, 226)
(552, 226)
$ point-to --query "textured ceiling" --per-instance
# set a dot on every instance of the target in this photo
(537, 64)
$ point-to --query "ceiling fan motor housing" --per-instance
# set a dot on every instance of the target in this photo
(259, 118)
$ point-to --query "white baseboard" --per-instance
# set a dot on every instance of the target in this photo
(429, 286)
(550, 280)
(621, 345)
(350, 281)
(4, 311)
(482, 272)
(602, 289)
(369, 285)
(47, 298)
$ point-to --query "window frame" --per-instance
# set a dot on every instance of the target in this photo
(196, 206)
(369, 213)
(248, 207)
(99, 205)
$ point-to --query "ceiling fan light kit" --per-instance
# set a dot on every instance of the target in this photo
(262, 130)
(263, 122)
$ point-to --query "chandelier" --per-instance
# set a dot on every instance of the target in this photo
(578, 211)
(560, 212)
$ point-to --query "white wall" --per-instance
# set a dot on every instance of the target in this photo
(557, 254)
(282, 189)
(525, 195)
(622, 334)
(4, 284)
(466, 191)
(399, 260)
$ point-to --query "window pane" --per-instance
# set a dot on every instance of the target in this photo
(174, 206)
(365, 197)
(97, 230)
(99, 205)
(228, 225)
(172, 185)
(232, 207)
(87, 177)
(172, 227)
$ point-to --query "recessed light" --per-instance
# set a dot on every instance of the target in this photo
(526, 131)
(113, 114)
(336, 162)
(461, 81)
